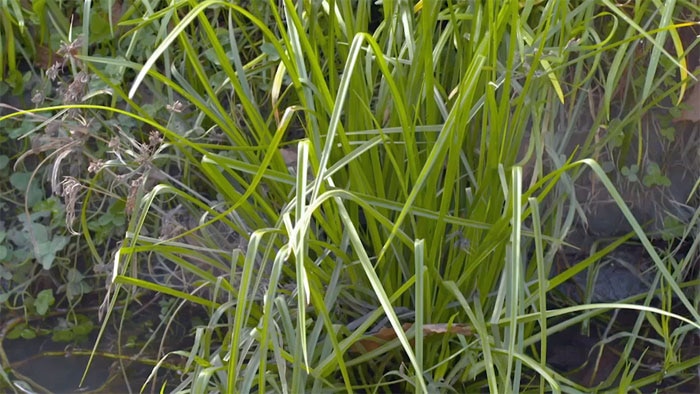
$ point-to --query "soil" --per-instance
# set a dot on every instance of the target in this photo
(587, 354)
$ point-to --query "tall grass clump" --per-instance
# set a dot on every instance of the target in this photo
(371, 197)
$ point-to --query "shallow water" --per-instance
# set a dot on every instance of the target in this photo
(43, 365)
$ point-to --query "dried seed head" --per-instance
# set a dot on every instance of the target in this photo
(38, 97)
(83, 77)
(75, 90)
(155, 138)
(176, 107)
(71, 49)
(53, 71)
(133, 192)
(114, 143)
(96, 166)
(71, 187)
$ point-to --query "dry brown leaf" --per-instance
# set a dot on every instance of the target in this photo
(461, 329)
(691, 112)
(387, 334)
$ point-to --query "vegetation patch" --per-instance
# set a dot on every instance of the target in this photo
(350, 196)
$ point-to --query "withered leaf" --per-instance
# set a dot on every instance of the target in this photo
(691, 110)
(387, 334)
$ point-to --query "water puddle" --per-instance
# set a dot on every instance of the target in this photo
(51, 355)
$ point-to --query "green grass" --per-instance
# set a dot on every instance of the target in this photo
(430, 175)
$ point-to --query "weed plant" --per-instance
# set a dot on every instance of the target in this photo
(316, 175)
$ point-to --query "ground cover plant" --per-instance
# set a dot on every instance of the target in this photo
(357, 196)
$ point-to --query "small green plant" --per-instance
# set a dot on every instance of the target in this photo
(25, 331)
(73, 330)
(654, 176)
(631, 172)
(44, 301)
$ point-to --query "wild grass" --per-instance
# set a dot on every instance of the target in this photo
(431, 184)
